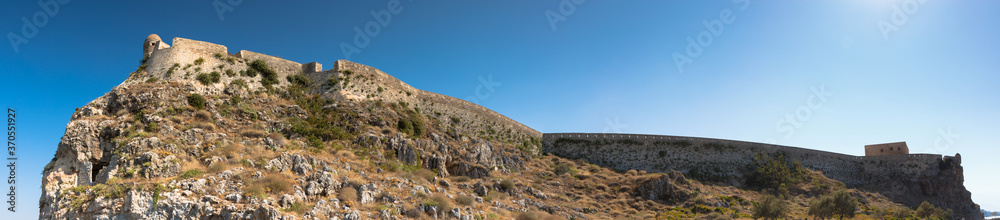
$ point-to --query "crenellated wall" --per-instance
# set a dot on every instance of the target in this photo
(908, 179)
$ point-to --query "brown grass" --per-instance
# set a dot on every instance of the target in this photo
(278, 139)
(425, 174)
(252, 133)
(464, 200)
(203, 115)
(276, 183)
(218, 167)
(203, 125)
(348, 194)
(443, 203)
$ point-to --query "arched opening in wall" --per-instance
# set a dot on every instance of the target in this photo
(881, 150)
(96, 168)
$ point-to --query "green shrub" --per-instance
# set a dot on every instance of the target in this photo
(412, 123)
(204, 78)
(507, 184)
(927, 210)
(563, 168)
(199, 61)
(152, 127)
(250, 72)
(196, 101)
(839, 204)
(268, 76)
(770, 207)
(772, 172)
(230, 73)
(299, 79)
(214, 76)
(235, 100)
(152, 79)
(190, 173)
(240, 82)
(318, 126)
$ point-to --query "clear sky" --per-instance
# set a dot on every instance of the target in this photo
(827, 75)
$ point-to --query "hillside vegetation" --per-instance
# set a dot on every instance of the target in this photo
(169, 149)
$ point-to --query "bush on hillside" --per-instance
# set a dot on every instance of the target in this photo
(770, 207)
(196, 101)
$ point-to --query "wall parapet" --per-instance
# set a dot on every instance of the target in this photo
(661, 153)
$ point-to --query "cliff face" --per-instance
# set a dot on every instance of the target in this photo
(906, 179)
(942, 186)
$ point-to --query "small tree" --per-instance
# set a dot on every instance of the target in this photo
(844, 205)
(770, 207)
(839, 204)
(821, 208)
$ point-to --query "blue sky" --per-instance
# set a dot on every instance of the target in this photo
(603, 66)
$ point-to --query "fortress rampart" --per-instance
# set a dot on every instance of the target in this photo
(661, 153)
(184, 52)
(905, 178)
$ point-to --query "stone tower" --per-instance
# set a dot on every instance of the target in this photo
(147, 47)
(886, 149)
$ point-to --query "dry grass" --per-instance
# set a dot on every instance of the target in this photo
(203, 125)
(274, 183)
(443, 203)
(218, 167)
(278, 139)
(348, 194)
(203, 115)
(464, 200)
(425, 174)
(252, 133)
(536, 215)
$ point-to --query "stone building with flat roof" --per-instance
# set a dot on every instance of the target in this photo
(886, 149)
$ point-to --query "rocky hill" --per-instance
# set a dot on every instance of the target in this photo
(199, 133)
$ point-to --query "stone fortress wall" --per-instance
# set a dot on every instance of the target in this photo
(162, 58)
(905, 178)
(728, 158)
